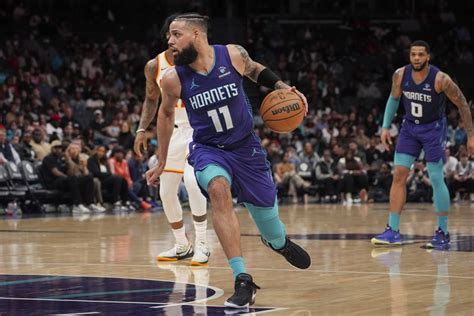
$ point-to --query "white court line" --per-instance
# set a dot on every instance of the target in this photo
(86, 313)
(218, 291)
(71, 300)
(249, 269)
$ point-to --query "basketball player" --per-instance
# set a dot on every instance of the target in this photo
(226, 154)
(422, 89)
(176, 166)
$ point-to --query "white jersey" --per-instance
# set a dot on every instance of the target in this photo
(180, 116)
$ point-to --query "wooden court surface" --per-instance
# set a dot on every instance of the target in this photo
(348, 275)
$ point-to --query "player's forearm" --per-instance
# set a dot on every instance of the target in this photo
(390, 111)
(165, 127)
(148, 113)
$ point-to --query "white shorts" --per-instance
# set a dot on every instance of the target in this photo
(178, 149)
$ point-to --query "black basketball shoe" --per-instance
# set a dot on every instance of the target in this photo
(245, 291)
(294, 254)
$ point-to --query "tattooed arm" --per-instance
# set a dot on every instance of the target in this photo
(396, 91)
(391, 108)
(251, 69)
(452, 91)
(248, 67)
(150, 105)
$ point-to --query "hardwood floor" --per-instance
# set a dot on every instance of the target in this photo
(105, 264)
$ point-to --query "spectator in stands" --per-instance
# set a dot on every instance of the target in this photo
(361, 138)
(24, 148)
(419, 184)
(354, 178)
(40, 147)
(327, 177)
(450, 168)
(77, 167)
(382, 183)
(463, 178)
(119, 167)
(125, 137)
(54, 171)
(7, 151)
(137, 173)
(309, 156)
(286, 176)
(115, 185)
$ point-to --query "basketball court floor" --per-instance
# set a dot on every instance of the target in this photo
(105, 265)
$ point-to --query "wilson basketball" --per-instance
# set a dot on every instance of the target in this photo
(282, 111)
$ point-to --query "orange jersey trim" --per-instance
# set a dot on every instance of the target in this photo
(157, 67)
(168, 61)
(174, 171)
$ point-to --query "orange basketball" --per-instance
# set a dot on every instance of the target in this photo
(282, 111)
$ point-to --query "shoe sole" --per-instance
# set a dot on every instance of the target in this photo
(378, 242)
(189, 255)
(431, 246)
(252, 301)
(199, 264)
(228, 304)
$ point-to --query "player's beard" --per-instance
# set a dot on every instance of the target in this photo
(187, 55)
(419, 68)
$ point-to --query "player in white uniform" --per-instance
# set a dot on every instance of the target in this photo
(176, 166)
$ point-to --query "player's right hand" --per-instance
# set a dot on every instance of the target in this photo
(302, 97)
(153, 175)
(386, 139)
(141, 141)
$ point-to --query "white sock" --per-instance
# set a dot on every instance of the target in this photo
(180, 236)
(201, 231)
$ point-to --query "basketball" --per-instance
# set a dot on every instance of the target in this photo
(282, 111)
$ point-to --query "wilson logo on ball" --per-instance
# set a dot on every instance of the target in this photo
(289, 108)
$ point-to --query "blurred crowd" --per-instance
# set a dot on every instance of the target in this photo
(75, 103)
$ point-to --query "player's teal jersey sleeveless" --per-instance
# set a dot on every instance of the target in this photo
(217, 107)
(421, 101)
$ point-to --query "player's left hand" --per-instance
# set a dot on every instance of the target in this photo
(153, 175)
(470, 146)
(302, 97)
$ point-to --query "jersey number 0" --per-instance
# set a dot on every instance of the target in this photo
(416, 109)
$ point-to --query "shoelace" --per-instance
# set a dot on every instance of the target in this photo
(243, 284)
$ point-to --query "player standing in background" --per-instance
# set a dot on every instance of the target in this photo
(176, 165)
(422, 89)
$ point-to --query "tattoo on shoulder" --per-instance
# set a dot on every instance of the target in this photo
(250, 69)
(243, 52)
(395, 79)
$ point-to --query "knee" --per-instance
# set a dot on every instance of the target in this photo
(167, 194)
(218, 188)
(400, 175)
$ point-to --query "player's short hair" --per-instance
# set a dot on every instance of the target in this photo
(166, 26)
(422, 44)
(201, 21)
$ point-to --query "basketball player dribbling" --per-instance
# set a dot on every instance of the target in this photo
(227, 156)
(422, 89)
(176, 166)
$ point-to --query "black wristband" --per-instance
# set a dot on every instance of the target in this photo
(267, 78)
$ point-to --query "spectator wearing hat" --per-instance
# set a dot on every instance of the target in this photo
(98, 124)
(7, 151)
(53, 128)
(40, 147)
(54, 171)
